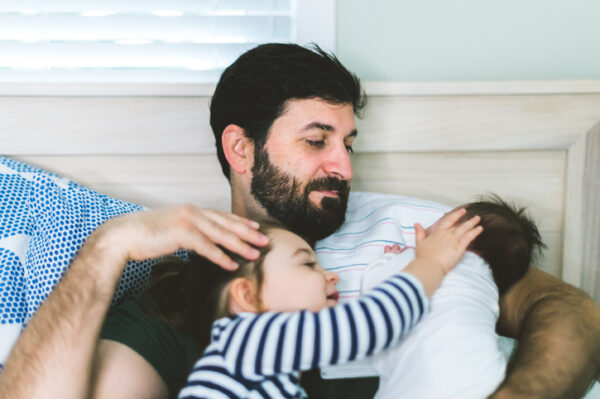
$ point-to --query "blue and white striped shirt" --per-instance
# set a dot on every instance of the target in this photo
(260, 355)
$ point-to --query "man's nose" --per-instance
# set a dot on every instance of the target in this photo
(338, 163)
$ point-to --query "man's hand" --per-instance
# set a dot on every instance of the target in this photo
(150, 234)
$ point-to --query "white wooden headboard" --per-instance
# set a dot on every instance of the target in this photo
(534, 142)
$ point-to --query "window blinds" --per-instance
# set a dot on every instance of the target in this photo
(134, 40)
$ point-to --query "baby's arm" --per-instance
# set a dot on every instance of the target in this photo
(274, 343)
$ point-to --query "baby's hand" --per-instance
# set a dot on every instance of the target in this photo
(448, 242)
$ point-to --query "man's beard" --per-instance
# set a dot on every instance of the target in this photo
(285, 200)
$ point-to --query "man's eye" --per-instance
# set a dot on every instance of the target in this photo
(316, 143)
(310, 264)
(349, 149)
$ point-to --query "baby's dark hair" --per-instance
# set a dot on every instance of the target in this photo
(189, 295)
(510, 240)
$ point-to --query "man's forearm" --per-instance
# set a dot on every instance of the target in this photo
(53, 355)
(558, 354)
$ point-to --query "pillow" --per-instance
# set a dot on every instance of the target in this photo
(44, 220)
(16, 228)
(65, 214)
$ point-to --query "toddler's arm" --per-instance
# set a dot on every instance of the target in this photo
(271, 343)
(439, 252)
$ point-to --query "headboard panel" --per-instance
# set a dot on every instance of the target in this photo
(534, 142)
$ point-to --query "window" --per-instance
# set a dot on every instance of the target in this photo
(143, 41)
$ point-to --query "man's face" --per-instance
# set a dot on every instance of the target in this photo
(302, 175)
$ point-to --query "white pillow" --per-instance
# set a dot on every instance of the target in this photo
(44, 219)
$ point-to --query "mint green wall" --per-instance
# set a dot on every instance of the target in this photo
(453, 40)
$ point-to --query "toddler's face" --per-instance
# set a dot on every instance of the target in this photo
(293, 278)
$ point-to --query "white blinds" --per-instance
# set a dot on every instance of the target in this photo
(134, 40)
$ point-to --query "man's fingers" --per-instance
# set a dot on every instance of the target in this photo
(213, 253)
(251, 223)
(242, 227)
(228, 239)
(193, 239)
(226, 217)
(218, 227)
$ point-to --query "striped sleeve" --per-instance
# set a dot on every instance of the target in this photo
(276, 343)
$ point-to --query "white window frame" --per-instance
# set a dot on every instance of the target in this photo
(315, 23)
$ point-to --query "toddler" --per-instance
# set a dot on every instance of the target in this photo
(279, 315)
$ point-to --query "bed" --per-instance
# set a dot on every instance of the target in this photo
(534, 142)
(537, 143)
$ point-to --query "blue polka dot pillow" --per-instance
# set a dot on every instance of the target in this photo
(44, 219)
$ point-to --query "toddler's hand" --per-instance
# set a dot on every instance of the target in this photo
(448, 242)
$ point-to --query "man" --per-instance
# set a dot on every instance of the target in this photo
(283, 117)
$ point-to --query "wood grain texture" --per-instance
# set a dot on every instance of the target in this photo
(591, 216)
(179, 125)
(574, 213)
(450, 178)
(476, 123)
(581, 254)
(151, 180)
(104, 125)
(456, 178)
(529, 141)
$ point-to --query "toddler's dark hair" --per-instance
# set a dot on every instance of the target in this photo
(510, 240)
(189, 295)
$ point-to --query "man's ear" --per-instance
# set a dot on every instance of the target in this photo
(243, 294)
(238, 149)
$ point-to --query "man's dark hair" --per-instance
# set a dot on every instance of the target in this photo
(253, 91)
(510, 240)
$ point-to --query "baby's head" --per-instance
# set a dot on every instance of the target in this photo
(286, 277)
(510, 240)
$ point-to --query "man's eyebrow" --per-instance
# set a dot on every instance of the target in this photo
(318, 125)
(327, 128)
